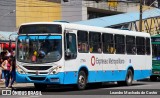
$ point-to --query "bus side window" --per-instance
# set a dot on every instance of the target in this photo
(130, 45)
(148, 51)
(108, 45)
(82, 41)
(140, 43)
(70, 46)
(119, 44)
(95, 42)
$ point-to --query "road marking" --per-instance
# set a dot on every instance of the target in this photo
(129, 87)
(23, 97)
(33, 96)
(139, 86)
(29, 97)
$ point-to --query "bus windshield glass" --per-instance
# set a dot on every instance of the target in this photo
(40, 28)
(39, 49)
(156, 51)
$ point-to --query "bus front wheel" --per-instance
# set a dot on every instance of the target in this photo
(82, 80)
(128, 80)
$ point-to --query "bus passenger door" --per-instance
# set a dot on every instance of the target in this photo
(70, 58)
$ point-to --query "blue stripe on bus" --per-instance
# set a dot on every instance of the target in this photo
(40, 37)
(94, 76)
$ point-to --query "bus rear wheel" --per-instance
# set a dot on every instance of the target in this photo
(82, 80)
(128, 80)
(39, 86)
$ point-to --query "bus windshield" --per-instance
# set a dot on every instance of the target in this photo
(39, 49)
(156, 51)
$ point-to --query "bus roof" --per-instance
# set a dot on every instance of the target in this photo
(93, 28)
(157, 35)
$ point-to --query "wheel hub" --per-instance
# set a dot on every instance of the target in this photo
(129, 78)
(81, 80)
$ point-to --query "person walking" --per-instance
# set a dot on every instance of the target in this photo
(6, 66)
(1, 60)
(13, 70)
(2, 55)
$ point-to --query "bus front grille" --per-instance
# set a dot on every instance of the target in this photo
(37, 78)
(37, 67)
(38, 73)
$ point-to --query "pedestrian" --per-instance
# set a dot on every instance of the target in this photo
(1, 60)
(8, 53)
(13, 70)
(6, 66)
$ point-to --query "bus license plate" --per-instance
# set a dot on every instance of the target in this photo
(54, 80)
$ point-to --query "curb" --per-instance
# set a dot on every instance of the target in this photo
(2, 84)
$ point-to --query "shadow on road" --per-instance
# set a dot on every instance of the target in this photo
(69, 88)
(148, 80)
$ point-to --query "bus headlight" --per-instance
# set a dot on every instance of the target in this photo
(55, 70)
(20, 70)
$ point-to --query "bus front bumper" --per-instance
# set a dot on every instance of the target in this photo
(155, 72)
(45, 79)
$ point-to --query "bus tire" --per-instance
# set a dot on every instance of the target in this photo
(82, 80)
(153, 78)
(39, 86)
(128, 80)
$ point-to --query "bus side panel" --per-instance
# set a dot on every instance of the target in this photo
(106, 76)
(70, 77)
(109, 72)
(96, 76)
(141, 74)
(70, 71)
(116, 75)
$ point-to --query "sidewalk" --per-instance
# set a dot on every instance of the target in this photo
(2, 85)
(20, 86)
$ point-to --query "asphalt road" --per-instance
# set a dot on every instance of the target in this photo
(139, 89)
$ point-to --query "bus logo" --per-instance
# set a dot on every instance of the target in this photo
(37, 72)
(92, 60)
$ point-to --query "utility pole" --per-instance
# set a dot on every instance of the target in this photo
(140, 17)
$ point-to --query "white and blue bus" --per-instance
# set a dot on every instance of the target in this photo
(64, 53)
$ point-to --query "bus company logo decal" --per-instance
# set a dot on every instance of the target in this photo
(99, 61)
(93, 60)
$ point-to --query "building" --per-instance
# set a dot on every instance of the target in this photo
(15, 12)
